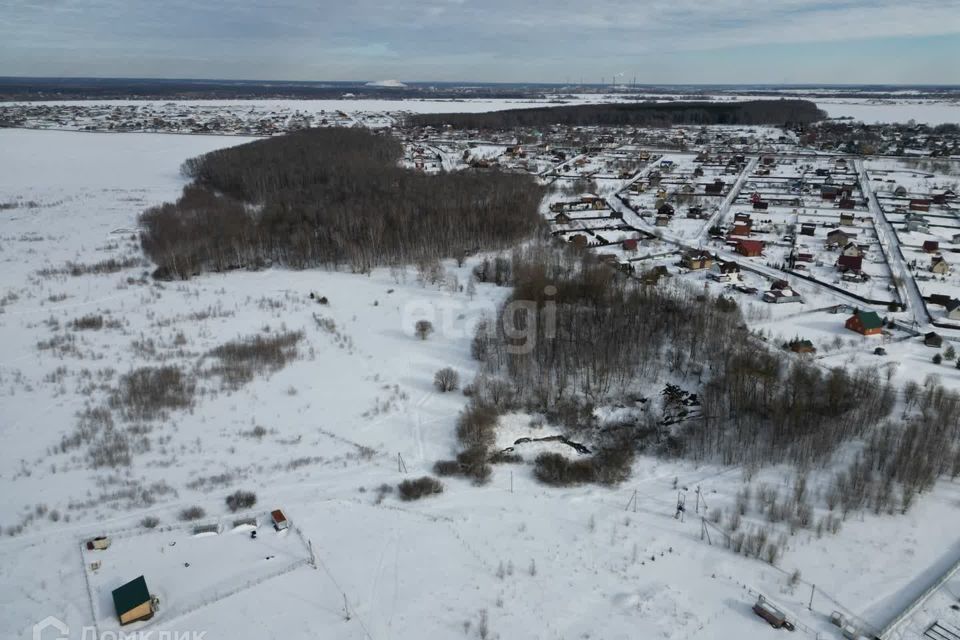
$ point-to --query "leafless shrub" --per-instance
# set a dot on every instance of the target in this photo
(241, 500)
(771, 553)
(112, 449)
(209, 483)
(111, 265)
(383, 491)
(92, 322)
(239, 360)
(555, 469)
(483, 626)
(423, 328)
(506, 457)
(419, 488)
(192, 513)
(148, 392)
(446, 379)
(296, 463)
(61, 345)
(476, 425)
(446, 468)
(150, 522)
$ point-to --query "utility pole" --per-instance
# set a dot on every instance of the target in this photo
(700, 499)
(813, 588)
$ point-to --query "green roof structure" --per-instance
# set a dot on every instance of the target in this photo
(131, 595)
(870, 319)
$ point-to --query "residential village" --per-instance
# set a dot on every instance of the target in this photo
(832, 218)
(828, 253)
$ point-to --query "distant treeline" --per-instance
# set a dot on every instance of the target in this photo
(26, 89)
(649, 114)
(330, 197)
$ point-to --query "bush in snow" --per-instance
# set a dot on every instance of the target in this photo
(241, 500)
(477, 424)
(150, 522)
(557, 470)
(416, 489)
(423, 328)
(192, 513)
(446, 379)
(92, 322)
(446, 468)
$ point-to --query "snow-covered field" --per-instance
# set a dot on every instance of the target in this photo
(922, 111)
(318, 437)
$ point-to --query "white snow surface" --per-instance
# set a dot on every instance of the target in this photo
(357, 404)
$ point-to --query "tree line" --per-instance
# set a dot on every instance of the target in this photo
(650, 114)
(594, 337)
(330, 197)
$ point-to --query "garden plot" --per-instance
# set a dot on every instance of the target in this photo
(826, 330)
(187, 571)
(905, 360)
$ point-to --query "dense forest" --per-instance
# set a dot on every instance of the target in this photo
(577, 335)
(649, 114)
(330, 197)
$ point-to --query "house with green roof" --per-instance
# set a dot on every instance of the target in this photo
(866, 323)
(133, 602)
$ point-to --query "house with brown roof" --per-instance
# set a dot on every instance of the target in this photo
(953, 309)
(697, 260)
(852, 249)
(849, 263)
(750, 248)
(839, 238)
(715, 188)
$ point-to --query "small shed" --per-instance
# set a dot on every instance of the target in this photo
(931, 246)
(771, 613)
(133, 602)
(933, 339)
(939, 266)
(280, 521)
(100, 543)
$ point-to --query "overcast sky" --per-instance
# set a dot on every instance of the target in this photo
(658, 41)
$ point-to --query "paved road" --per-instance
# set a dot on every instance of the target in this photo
(908, 289)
